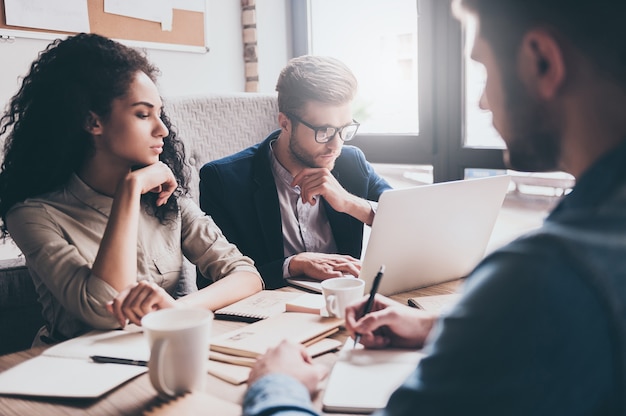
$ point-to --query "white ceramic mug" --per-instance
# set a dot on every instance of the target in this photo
(339, 292)
(179, 349)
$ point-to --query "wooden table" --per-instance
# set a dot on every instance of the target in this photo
(138, 395)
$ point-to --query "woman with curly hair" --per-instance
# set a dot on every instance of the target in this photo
(93, 190)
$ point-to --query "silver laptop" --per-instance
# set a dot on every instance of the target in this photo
(429, 234)
(433, 233)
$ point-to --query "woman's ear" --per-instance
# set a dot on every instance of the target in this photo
(93, 124)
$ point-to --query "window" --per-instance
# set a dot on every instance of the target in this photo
(379, 44)
(419, 90)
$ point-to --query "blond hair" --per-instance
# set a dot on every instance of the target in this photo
(314, 78)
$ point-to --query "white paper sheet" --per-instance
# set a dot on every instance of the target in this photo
(151, 10)
(191, 5)
(65, 377)
(64, 15)
(129, 343)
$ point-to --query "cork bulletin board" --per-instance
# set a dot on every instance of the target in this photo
(187, 34)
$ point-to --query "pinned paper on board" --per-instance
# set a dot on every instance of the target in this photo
(62, 15)
(152, 10)
(178, 25)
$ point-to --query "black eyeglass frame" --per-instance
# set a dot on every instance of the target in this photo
(328, 138)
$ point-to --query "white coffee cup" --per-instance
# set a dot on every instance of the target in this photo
(339, 292)
(179, 349)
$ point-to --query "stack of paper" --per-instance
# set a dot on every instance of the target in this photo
(236, 370)
(233, 353)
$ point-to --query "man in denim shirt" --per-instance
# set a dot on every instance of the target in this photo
(541, 328)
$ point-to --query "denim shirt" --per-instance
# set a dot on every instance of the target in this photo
(541, 327)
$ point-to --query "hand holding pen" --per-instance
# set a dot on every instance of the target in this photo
(388, 323)
(370, 299)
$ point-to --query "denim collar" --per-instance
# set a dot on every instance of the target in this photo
(597, 183)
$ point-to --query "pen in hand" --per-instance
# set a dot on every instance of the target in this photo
(370, 300)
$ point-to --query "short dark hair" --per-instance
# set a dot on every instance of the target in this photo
(597, 28)
(314, 78)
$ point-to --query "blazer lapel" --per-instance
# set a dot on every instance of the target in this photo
(266, 202)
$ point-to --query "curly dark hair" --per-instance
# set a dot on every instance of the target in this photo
(44, 124)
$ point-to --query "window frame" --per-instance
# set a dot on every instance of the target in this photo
(441, 139)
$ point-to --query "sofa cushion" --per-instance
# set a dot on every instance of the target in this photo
(215, 126)
(20, 313)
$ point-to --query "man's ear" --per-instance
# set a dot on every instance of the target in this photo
(542, 63)
(284, 122)
(93, 124)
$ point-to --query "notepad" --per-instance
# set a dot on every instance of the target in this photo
(362, 380)
(435, 303)
(259, 306)
(254, 339)
(65, 370)
(308, 303)
(230, 373)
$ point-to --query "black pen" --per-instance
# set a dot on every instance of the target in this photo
(114, 360)
(370, 300)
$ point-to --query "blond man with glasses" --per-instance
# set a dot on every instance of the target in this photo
(296, 202)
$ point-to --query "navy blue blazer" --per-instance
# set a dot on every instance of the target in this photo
(239, 192)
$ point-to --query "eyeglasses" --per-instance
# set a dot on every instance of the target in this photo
(324, 134)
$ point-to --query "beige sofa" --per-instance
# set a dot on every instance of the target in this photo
(211, 127)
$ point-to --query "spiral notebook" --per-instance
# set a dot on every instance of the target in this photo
(259, 306)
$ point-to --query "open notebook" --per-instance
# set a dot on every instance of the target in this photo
(429, 234)
(362, 381)
(65, 369)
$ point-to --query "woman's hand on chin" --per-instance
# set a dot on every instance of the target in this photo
(157, 178)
